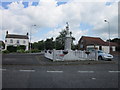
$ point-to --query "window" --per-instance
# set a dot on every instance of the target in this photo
(11, 41)
(81, 45)
(17, 41)
(100, 51)
(5, 40)
(81, 41)
(24, 41)
(100, 47)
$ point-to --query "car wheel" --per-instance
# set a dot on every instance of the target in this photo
(109, 60)
(100, 58)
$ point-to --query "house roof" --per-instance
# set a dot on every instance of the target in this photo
(96, 41)
(17, 36)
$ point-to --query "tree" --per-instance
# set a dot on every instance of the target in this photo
(2, 45)
(60, 40)
(49, 45)
(116, 40)
(40, 45)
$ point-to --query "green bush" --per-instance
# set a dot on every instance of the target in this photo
(11, 48)
(21, 47)
(20, 51)
(5, 51)
(32, 51)
(35, 51)
(28, 51)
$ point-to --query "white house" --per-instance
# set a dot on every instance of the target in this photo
(16, 40)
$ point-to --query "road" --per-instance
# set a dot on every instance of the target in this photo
(57, 76)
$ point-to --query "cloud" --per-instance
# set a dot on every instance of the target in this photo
(19, 20)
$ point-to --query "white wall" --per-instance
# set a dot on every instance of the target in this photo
(21, 42)
(57, 55)
(105, 49)
(113, 48)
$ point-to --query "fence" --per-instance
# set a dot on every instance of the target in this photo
(61, 55)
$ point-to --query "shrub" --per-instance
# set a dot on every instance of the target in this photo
(35, 51)
(20, 51)
(27, 51)
(11, 48)
(21, 47)
(5, 51)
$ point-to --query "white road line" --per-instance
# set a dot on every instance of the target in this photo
(55, 71)
(2, 69)
(114, 71)
(86, 71)
(27, 70)
(93, 78)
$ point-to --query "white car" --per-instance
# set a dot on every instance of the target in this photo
(104, 56)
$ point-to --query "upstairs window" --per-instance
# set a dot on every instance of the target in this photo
(24, 41)
(81, 45)
(11, 41)
(18, 42)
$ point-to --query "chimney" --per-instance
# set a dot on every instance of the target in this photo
(27, 33)
(6, 32)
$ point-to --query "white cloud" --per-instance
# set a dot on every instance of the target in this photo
(18, 19)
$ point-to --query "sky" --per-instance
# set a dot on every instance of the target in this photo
(46, 18)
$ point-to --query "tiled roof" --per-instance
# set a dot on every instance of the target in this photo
(96, 41)
(17, 36)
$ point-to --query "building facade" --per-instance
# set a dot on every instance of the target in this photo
(16, 40)
(87, 43)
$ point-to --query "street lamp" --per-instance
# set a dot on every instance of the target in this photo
(109, 32)
(31, 38)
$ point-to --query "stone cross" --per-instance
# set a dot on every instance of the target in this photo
(67, 38)
(67, 28)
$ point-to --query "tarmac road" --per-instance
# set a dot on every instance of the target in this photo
(39, 59)
(56, 76)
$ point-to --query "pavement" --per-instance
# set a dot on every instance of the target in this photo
(35, 71)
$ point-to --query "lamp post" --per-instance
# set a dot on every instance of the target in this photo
(109, 32)
(31, 38)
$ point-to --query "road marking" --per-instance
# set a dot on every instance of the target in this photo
(86, 71)
(114, 71)
(27, 70)
(2, 69)
(55, 71)
(93, 78)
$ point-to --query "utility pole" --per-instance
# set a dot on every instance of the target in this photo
(31, 37)
(108, 32)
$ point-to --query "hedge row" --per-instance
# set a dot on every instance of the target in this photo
(19, 49)
(22, 51)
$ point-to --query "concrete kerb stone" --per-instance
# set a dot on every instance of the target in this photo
(78, 62)
(53, 64)
(67, 63)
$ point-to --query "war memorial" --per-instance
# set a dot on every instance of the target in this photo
(70, 55)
